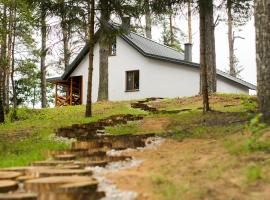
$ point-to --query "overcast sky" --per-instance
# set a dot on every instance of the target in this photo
(245, 49)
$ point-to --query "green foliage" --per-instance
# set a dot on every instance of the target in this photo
(253, 173)
(171, 39)
(256, 142)
(164, 186)
(28, 85)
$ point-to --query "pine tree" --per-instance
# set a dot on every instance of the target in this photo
(262, 24)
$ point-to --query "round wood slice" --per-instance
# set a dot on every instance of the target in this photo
(16, 169)
(90, 186)
(25, 178)
(9, 175)
(85, 145)
(53, 183)
(18, 196)
(60, 172)
(70, 196)
(69, 167)
(7, 186)
(52, 163)
(65, 157)
(90, 163)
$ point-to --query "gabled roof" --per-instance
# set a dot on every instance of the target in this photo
(154, 50)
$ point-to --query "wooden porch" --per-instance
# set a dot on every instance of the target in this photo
(69, 92)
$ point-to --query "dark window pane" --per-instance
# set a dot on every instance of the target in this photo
(132, 80)
(129, 81)
(136, 80)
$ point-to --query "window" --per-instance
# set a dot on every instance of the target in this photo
(132, 81)
(112, 48)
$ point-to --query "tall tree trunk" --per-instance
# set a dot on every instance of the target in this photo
(3, 63)
(104, 42)
(210, 47)
(189, 23)
(15, 101)
(230, 38)
(4, 60)
(204, 8)
(91, 42)
(66, 35)
(43, 58)
(171, 30)
(9, 55)
(148, 20)
(262, 24)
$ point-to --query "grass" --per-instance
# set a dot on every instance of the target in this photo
(253, 173)
(29, 138)
(226, 149)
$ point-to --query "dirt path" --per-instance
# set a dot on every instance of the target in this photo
(192, 169)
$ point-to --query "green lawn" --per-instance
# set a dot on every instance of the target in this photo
(29, 138)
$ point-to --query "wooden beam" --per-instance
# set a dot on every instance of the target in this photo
(56, 94)
(81, 90)
(71, 92)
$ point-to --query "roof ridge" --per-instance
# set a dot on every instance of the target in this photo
(156, 42)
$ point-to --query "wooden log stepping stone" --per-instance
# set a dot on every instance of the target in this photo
(81, 187)
(8, 186)
(15, 169)
(69, 166)
(91, 163)
(71, 196)
(9, 175)
(61, 172)
(22, 179)
(18, 196)
(54, 183)
(65, 157)
(52, 163)
(93, 144)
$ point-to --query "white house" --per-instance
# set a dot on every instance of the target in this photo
(140, 68)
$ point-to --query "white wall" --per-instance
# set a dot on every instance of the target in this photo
(157, 78)
(225, 86)
(82, 70)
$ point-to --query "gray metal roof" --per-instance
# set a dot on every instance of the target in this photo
(151, 47)
(154, 50)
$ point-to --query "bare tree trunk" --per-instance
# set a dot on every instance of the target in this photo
(203, 6)
(4, 60)
(210, 48)
(66, 35)
(148, 21)
(104, 42)
(43, 58)
(9, 55)
(230, 38)
(189, 23)
(15, 102)
(66, 45)
(262, 24)
(171, 30)
(3, 63)
(91, 30)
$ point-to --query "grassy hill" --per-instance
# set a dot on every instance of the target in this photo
(226, 148)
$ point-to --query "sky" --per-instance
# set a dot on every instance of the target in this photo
(245, 48)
